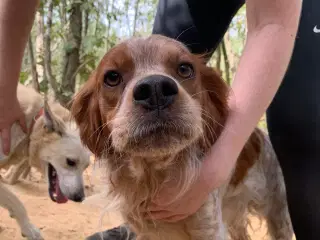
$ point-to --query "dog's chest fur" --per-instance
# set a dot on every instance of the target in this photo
(246, 179)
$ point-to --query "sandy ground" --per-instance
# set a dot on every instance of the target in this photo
(70, 221)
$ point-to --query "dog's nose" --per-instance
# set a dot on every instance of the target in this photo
(155, 92)
(78, 197)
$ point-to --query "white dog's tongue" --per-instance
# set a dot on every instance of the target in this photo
(60, 198)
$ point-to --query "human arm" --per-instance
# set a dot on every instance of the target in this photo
(272, 27)
(16, 19)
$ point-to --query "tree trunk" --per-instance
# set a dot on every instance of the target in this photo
(126, 5)
(136, 11)
(218, 63)
(226, 61)
(109, 25)
(63, 11)
(35, 83)
(39, 46)
(71, 55)
(47, 52)
(97, 20)
(230, 53)
(86, 22)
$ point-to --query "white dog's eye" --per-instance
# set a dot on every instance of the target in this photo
(71, 162)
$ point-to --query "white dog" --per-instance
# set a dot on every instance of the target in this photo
(52, 146)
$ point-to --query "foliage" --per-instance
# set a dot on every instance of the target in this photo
(103, 24)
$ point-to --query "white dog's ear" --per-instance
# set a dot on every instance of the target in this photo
(52, 123)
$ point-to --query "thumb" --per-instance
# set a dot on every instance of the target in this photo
(6, 140)
(23, 124)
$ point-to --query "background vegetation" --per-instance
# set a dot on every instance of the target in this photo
(70, 36)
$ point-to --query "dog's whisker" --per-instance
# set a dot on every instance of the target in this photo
(203, 91)
(184, 31)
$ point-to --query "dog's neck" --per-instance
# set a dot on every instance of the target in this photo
(137, 180)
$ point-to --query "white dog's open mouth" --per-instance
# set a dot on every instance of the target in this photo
(55, 192)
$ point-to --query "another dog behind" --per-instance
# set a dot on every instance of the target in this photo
(152, 110)
(53, 147)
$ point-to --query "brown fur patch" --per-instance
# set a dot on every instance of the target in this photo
(95, 104)
(248, 157)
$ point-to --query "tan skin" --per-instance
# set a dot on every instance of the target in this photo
(272, 27)
(16, 18)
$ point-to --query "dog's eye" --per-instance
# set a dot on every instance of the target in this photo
(112, 78)
(185, 70)
(71, 162)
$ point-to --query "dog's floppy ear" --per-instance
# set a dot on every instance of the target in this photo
(86, 111)
(51, 122)
(214, 101)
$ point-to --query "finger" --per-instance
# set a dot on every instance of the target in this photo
(6, 140)
(23, 124)
(175, 218)
(159, 215)
(157, 206)
(153, 207)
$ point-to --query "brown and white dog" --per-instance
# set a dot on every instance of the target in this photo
(53, 146)
(151, 110)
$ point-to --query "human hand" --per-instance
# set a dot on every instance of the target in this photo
(183, 207)
(215, 171)
(10, 112)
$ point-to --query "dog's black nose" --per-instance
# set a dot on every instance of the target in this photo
(155, 92)
(78, 197)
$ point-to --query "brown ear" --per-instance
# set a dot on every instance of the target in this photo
(214, 103)
(86, 111)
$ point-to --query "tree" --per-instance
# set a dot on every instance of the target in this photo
(69, 38)
(71, 61)
(33, 65)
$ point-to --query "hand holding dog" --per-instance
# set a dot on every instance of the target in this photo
(10, 112)
(215, 171)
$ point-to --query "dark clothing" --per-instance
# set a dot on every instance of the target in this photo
(294, 115)
(118, 233)
(199, 24)
(294, 126)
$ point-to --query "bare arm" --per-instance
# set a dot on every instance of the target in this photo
(16, 18)
(272, 28)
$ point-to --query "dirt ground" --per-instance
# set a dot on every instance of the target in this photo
(70, 221)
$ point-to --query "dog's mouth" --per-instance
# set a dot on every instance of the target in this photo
(55, 192)
(155, 138)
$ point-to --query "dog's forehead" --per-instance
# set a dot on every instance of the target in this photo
(153, 50)
(72, 142)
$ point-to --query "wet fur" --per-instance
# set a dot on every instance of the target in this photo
(139, 165)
